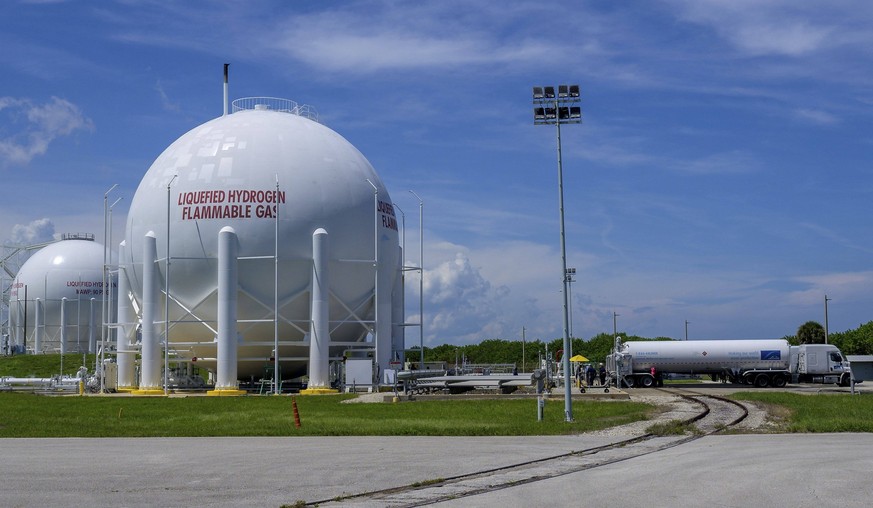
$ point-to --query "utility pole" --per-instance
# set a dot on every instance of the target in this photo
(826, 317)
(522, 349)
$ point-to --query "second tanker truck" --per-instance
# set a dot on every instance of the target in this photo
(756, 362)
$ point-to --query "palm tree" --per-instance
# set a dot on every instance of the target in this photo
(811, 332)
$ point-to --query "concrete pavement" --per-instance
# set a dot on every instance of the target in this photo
(740, 470)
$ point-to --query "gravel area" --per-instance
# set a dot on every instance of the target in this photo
(677, 408)
(671, 408)
(368, 398)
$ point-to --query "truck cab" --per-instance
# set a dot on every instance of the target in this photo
(819, 363)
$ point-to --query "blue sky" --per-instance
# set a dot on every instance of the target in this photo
(721, 176)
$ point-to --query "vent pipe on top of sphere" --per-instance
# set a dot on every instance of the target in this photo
(225, 89)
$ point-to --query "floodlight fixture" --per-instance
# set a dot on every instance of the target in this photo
(551, 108)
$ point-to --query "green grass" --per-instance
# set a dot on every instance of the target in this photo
(672, 428)
(818, 412)
(28, 415)
(43, 365)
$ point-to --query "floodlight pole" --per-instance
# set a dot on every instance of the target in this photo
(167, 298)
(402, 276)
(571, 272)
(420, 277)
(522, 348)
(376, 278)
(105, 304)
(556, 116)
(615, 347)
(107, 295)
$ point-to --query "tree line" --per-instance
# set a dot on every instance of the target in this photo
(526, 355)
(851, 342)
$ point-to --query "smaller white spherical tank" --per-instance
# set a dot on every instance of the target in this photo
(56, 299)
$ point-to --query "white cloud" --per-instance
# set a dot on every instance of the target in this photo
(733, 162)
(409, 36)
(464, 305)
(37, 231)
(816, 116)
(166, 103)
(36, 126)
(775, 27)
(459, 300)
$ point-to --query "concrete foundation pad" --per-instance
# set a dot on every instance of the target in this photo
(318, 391)
(155, 391)
(225, 393)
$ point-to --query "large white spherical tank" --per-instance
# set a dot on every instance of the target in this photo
(226, 173)
(62, 284)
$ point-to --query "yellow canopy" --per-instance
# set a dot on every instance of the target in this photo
(578, 358)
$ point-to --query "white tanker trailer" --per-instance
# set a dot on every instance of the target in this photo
(757, 362)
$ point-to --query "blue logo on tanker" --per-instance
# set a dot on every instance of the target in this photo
(771, 354)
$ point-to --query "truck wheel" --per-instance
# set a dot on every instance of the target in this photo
(762, 380)
(846, 380)
(647, 381)
(780, 381)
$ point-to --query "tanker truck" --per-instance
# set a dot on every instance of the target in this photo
(756, 362)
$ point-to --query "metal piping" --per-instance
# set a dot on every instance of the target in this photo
(225, 89)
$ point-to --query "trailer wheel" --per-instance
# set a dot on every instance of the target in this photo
(647, 381)
(762, 380)
(779, 381)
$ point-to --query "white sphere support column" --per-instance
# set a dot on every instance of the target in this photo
(150, 373)
(37, 327)
(228, 288)
(126, 354)
(64, 325)
(319, 337)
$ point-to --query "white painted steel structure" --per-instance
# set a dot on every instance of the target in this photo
(275, 178)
